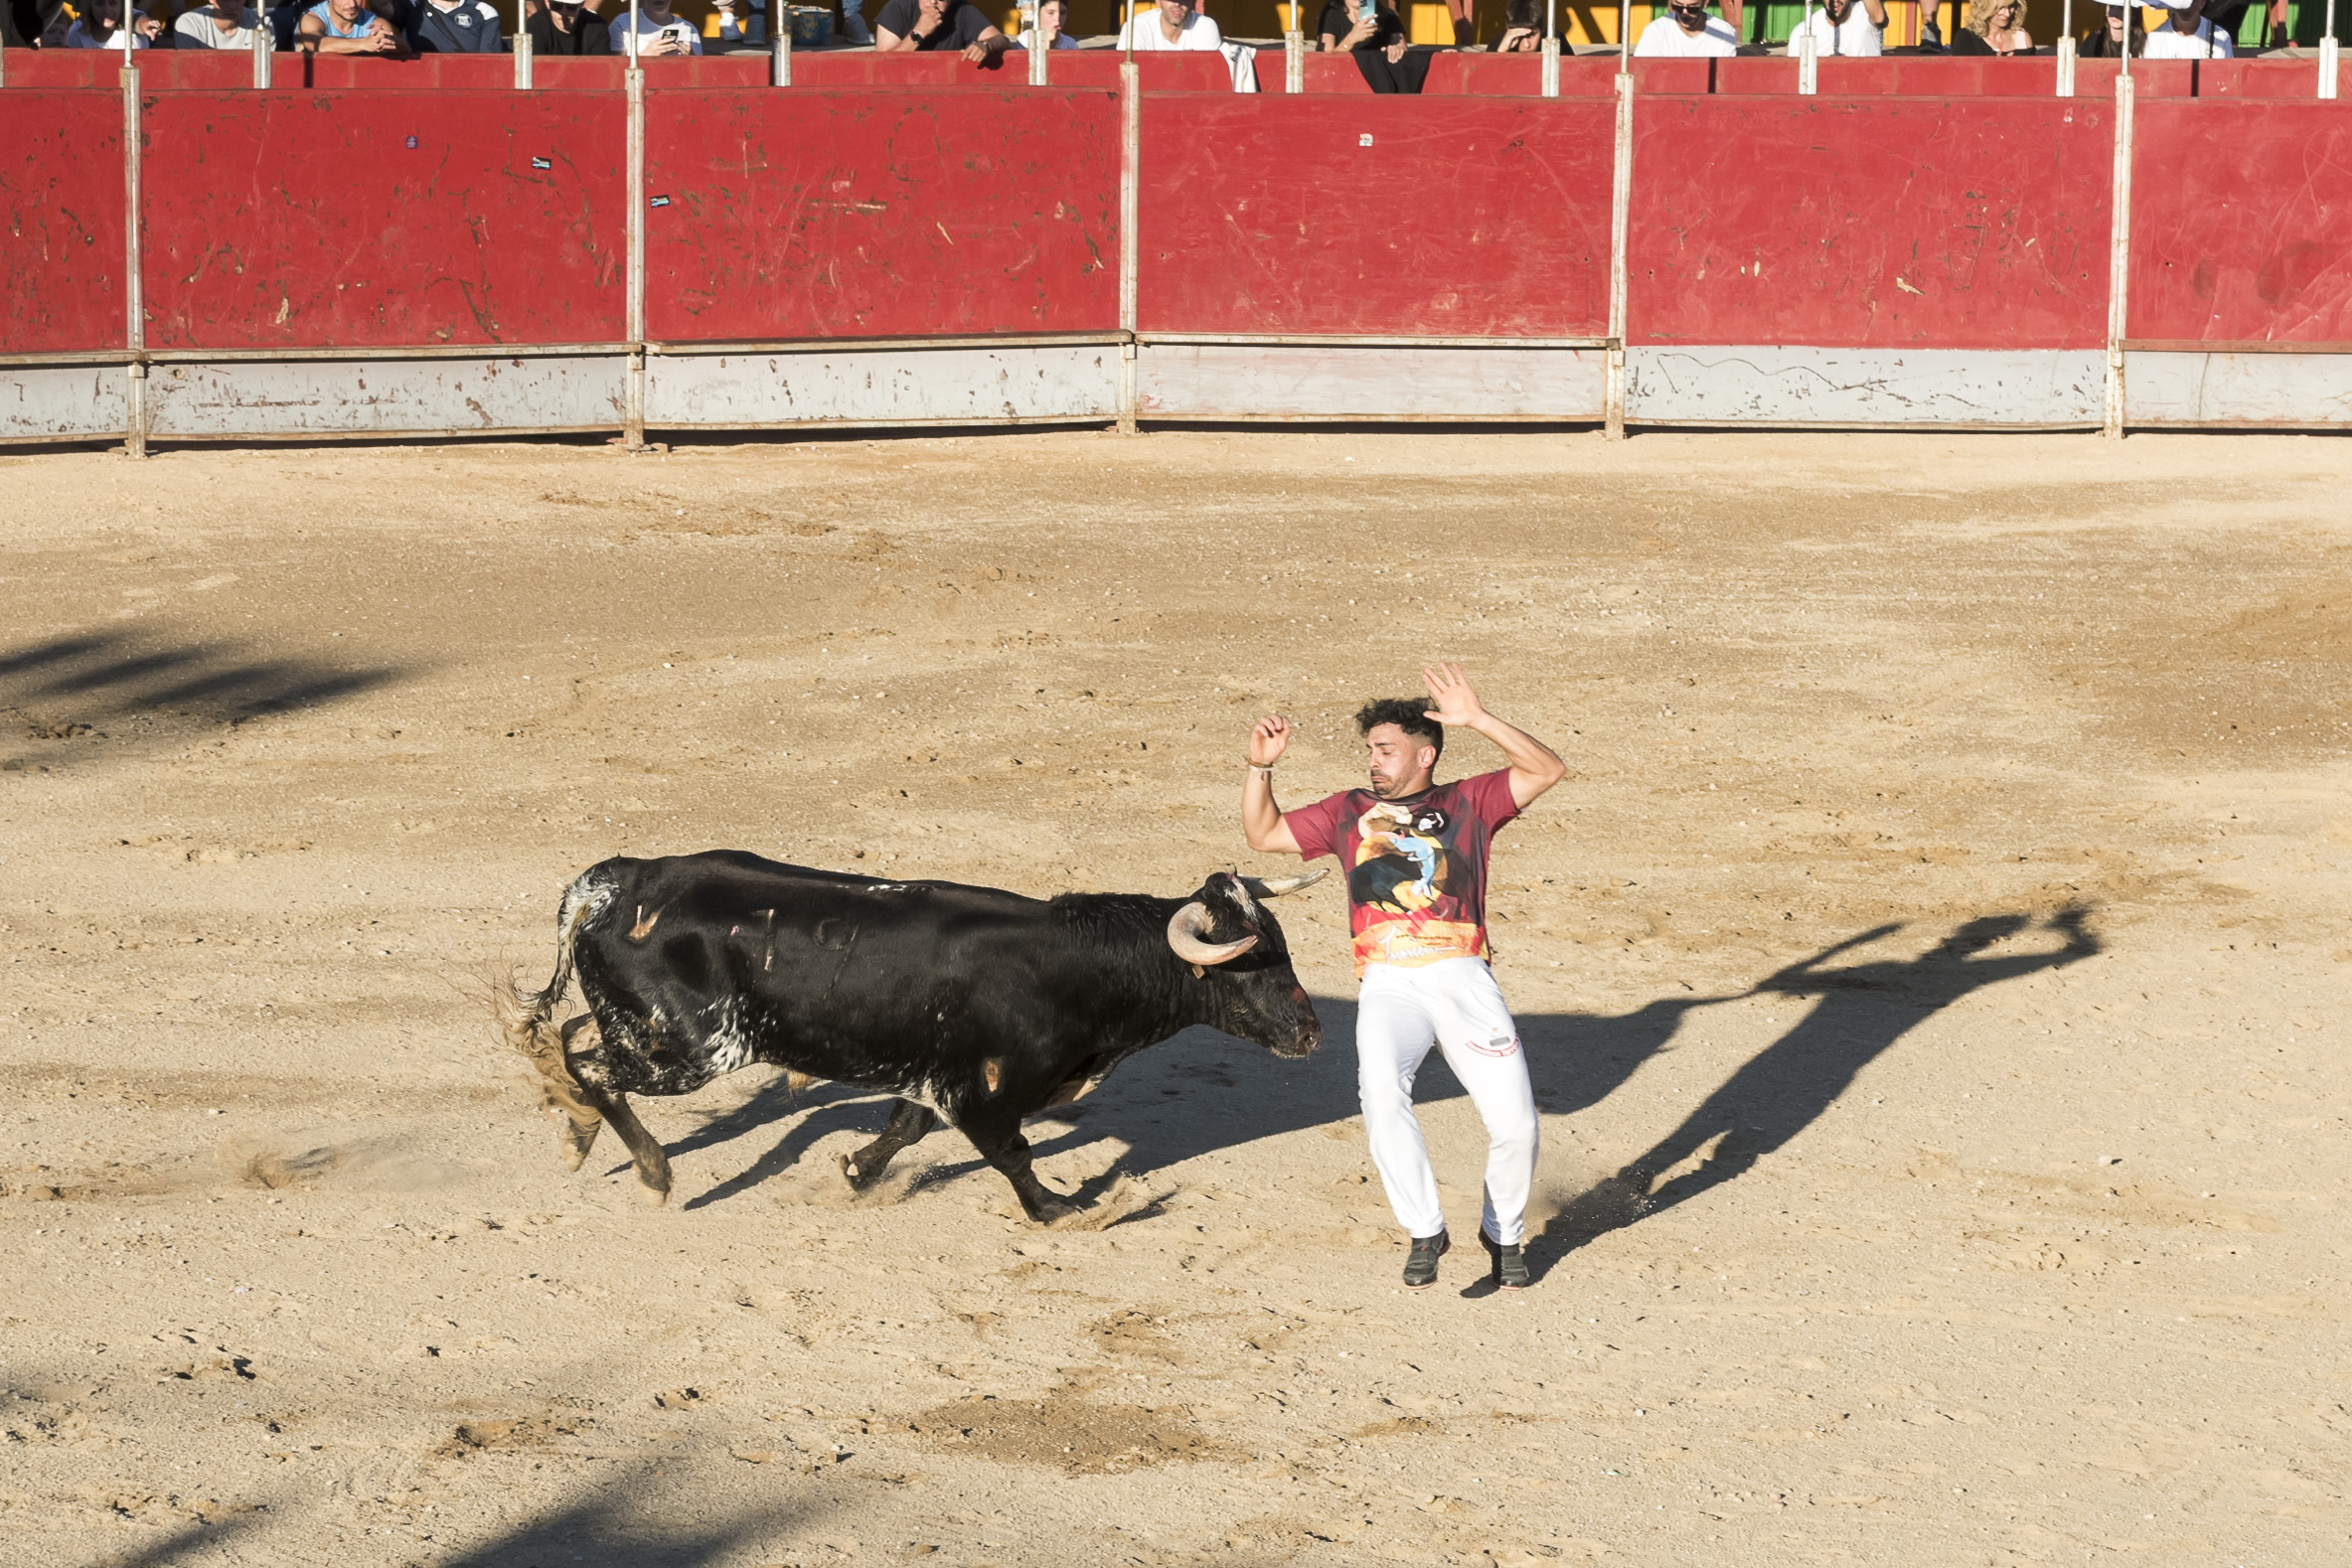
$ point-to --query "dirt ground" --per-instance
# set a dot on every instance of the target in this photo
(1933, 972)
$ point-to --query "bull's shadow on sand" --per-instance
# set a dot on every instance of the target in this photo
(1155, 1103)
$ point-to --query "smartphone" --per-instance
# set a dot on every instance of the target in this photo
(1366, 10)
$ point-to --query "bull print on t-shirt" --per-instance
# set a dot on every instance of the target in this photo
(1416, 868)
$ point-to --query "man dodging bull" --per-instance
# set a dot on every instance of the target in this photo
(1415, 852)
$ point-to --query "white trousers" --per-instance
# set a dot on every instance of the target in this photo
(1456, 1006)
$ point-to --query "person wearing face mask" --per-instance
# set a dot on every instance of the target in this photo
(2187, 34)
(566, 27)
(1686, 30)
(1841, 27)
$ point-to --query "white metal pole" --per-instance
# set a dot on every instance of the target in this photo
(780, 51)
(1131, 137)
(1294, 58)
(1620, 203)
(2328, 50)
(2119, 251)
(134, 333)
(2066, 52)
(1038, 53)
(632, 34)
(633, 413)
(264, 45)
(523, 61)
(1550, 87)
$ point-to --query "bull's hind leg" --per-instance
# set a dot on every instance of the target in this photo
(581, 1123)
(645, 1150)
(909, 1123)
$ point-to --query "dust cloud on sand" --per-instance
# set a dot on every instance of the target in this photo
(1933, 973)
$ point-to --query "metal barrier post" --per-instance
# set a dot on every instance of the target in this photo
(265, 53)
(523, 61)
(2119, 251)
(1131, 138)
(1808, 56)
(1620, 203)
(1551, 67)
(134, 335)
(633, 413)
(780, 54)
(1040, 73)
(1294, 58)
(2066, 52)
(2327, 55)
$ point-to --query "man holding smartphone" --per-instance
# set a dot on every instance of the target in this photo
(1415, 852)
(1376, 36)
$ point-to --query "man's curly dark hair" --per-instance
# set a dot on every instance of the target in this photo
(1408, 714)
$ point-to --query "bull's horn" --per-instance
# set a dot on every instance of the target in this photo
(1276, 887)
(1186, 929)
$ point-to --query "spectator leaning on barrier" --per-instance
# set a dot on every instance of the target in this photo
(660, 31)
(454, 27)
(1376, 36)
(2106, 43)
(217, 26)
(101, 26)
(921, 26)
(1992, 29)
(1686, 30)
(347, 27)
(566, 27)
(1049, 20)
(1171, 24)
(1842, 27)
(2187, 35)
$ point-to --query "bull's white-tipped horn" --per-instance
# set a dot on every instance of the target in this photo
(1276, 887)
(1187, 930)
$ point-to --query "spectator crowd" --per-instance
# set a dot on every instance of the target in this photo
(1371, 30)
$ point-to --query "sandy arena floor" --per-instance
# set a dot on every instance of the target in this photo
(1947, 911)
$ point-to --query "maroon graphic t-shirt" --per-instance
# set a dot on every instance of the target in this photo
(1416, 868)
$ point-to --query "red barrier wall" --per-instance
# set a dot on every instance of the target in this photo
(301, 220)
(852, 214)
(1850, 223)
(1390, 217)
(63, 246)
(2251, 246)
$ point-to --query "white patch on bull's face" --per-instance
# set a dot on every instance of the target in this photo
(1241, 896)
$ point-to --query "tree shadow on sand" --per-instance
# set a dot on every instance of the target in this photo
(1202, 1094)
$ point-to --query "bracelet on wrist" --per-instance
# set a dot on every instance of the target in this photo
(1256, 767)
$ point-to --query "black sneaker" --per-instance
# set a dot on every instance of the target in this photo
(1421, 1265)
(1510, 1265)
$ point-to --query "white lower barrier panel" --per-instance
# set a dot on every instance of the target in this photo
(1374, 382)
(64, 402)
(1016, 384)
(2279, 392)
(239, 398)
(1952, 389)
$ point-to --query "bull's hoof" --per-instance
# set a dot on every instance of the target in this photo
(574, 1141)
(1054, 1214)
(655, 1197)
(859, 1179)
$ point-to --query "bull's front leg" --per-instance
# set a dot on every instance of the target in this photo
(1001, 1146)
(909, 1123)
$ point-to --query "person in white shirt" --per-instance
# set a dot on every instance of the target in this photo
(1840, 27)
(659, 32)
(1171, 24)
(2187, 35)
(217, 26)
(1049, 20)
(1686, 30)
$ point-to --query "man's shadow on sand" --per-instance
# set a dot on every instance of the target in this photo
(1154, 1104)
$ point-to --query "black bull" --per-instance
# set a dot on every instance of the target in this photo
(970, 1004)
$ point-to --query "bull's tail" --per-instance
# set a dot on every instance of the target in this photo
(528, 1018)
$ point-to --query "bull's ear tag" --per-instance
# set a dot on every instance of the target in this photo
(1198, 973)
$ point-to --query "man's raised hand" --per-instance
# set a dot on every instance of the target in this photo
(1456, 703)
(1268, 739)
